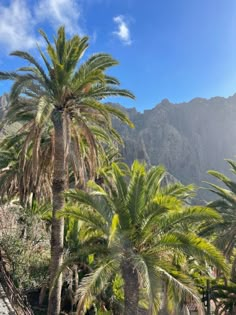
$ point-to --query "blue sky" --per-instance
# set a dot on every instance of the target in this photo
(175, 49)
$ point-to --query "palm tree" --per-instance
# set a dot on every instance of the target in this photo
(65, 93)
(137, 228)
(17, 179)
(224, 232)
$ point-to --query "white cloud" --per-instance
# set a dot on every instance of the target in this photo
(19, 21)
(16, 26)
(60, 12)
(123, 31)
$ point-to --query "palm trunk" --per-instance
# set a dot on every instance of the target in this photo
(233, 279)
(57, 232)
(164, 306)
(131, 289)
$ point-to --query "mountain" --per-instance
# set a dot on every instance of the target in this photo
(188, 138)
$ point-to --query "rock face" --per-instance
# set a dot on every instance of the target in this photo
(188, 138)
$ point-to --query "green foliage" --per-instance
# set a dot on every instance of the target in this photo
(26, 244)
(60, 83)
(117, 286)
(29, 262)
(141, 222)
(224, 231)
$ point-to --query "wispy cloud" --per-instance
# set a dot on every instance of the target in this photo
(16, 26)
(19, 21)
(123, 31)
(60, 12)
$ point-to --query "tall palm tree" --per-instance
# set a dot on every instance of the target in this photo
(63, 92)
(141, 228)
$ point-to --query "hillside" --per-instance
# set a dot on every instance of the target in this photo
(188, 138)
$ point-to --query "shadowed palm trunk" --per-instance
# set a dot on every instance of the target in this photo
(58, 204)
(131, 289)
(164, 307)
(233, 279)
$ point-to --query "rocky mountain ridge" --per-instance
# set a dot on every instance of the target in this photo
(188, 138)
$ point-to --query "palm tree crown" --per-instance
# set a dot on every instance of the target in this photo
(143, 227)
(63, 85)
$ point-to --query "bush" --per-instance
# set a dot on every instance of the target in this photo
(29, 262)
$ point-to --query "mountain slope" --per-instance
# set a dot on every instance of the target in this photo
(188, 138)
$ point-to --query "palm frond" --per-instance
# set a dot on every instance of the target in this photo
(93, 284)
